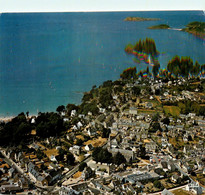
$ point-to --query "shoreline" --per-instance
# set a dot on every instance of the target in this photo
(6, 118)
(9, 118)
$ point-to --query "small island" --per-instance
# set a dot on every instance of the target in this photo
(160, 26)
(196, 28)
(140, 19)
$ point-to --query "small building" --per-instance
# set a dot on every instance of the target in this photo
(75, 149)
(194, 187)
(10, 189)
(166, 192)
(91, 131)
(87, 173)
(89, 147)
(67, 191)
(174, 178)
(133, 110)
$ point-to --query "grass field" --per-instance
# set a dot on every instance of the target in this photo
(173, 110)
(180, 192)
(96, 142)
(51, 152)
(77, 175)
(80, 137)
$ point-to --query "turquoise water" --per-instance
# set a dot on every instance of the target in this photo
(50, 59)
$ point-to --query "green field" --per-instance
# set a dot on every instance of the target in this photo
(173, 110)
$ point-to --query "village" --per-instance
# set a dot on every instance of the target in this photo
(145, 141)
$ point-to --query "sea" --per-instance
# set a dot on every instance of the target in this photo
(51, 59)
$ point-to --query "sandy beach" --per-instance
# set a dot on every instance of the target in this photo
(9, 118)
(6, 119)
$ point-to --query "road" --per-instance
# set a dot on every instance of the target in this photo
(11, 162)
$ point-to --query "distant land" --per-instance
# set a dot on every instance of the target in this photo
(196, 28)
(160, 26)
(139, 19)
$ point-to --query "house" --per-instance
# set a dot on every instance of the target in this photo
(75, 149)
(133, 110)
(143, 176)
(128, 154)
(194, 187)
(151, 147)
(53, 158)
(174, 178)
(33, 171)
(89, 147)
(71, 136)
(67, 191)
(171, 166)
(80, 187)
(164, 165)
(111, 169)
(148, 105)
(73, 113)
(204, 171)
(91, 131)
(54, 175)
(139, 184)
(10, 189)
(186, 168)
(166, 192)
(100, 118)
(79, 125)
(109, 121)
(87, 173)
(43, 180)
(130, 188)
(11, 172)
(20, 156)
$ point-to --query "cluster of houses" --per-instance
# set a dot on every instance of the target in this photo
(11, 180)
(129, 133)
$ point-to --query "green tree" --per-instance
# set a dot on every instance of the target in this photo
(155, 69)
(142, 151)
(61, 154)
(49, 124)
(70, 158)
(71, 107)
(60, 109)
(136, 90)
(119, 159)
(158, 184)
(155, 117)
(102, 155)
(79, 142)
(129, 73)
(105, 97)
(105, 133)
(166, 120)
(16, 131)
(196, 69)
(82, 166)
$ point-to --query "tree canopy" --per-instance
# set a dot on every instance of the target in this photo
(118, 159)
(129, 73)
(49, 124)
(15, 131)
(183, 67)
(102, 155)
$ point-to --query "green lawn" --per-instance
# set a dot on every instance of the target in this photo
(173, 110)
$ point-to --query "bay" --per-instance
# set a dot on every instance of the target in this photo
(50, 59)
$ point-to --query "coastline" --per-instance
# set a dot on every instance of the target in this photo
(9, 118)
(6, 118)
